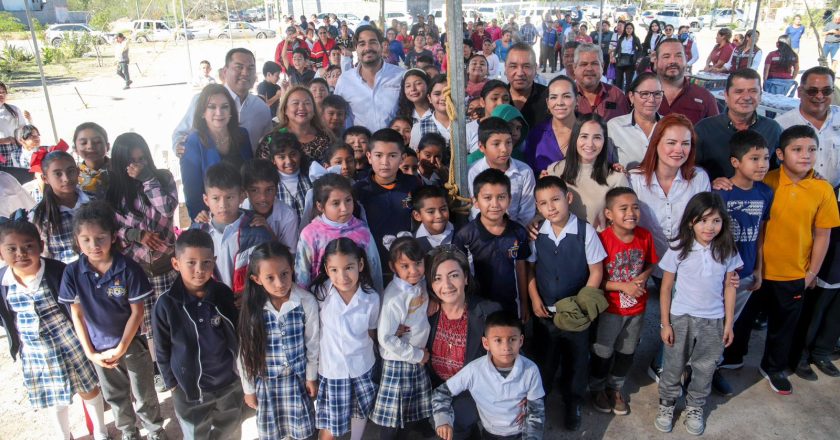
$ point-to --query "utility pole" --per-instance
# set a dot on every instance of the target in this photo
(40, 67)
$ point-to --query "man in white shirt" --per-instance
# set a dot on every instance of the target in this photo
(372, 89)
(240, 74)
(816, 111)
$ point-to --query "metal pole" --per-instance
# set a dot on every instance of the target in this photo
(382, 15)
(754, 37)
(455, 52)
(601, 35)
(267, 16)
(821, 59)
(187, 38)
(137, 7)
(230, 25)
(40, 68)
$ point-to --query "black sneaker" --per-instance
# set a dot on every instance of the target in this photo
(573, 416)
(827, 367)
(805, 371)
(778, 382)
(721, 385)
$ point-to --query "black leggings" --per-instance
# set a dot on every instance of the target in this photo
(624, 76)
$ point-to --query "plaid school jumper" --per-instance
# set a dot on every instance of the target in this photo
(284, 408)
(54, 364)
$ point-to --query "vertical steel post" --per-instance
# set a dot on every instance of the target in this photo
(40, 68)
(455, 53)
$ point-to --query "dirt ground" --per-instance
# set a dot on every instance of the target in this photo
(153, 107)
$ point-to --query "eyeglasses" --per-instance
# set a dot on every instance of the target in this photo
(647, 95)
(813, 91)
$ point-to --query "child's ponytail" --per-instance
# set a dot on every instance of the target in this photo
(48, 210)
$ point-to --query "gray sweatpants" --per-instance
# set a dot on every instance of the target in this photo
(133, 376)
(699, 342)
(616, 333)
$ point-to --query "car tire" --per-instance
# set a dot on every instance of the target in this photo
(261, 36)
(222, 36)
(142, 39)
(56, 42)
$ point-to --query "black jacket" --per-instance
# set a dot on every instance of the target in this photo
(53, 272)
(176, 338)
(477, 312)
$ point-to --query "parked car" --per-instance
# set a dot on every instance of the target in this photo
(725, 17)
(254, 14)
(352, 20)
(57, 33)
(402, 17)
(144, 31)
(676, 19)
(625, 13)
(646, 17)
(241, 29)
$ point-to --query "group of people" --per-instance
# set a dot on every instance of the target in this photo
(328, 278)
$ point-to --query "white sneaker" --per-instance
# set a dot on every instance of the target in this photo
(694, 422)
(665, 418)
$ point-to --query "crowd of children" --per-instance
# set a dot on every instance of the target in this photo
(304, 290)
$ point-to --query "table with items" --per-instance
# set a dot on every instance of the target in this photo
(709, 81)
(771, 104)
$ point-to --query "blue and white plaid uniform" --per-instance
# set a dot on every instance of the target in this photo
(284, 408)
(405, 395)
(341, 399)
(298, 201)
(161, 284)
(54, 363)
(58, 242)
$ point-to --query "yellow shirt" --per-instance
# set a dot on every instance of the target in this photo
(797, 209)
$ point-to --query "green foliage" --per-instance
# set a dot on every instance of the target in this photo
(17, 54)
(52, 55)
(9, 23)
(101, 21)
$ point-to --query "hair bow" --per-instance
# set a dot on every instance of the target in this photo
(21, 215)
(388, 240)
(38, 156)
(316, 170)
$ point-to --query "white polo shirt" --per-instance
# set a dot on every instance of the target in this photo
(283, 222)
(522, 183)
(593, 249)
(371, 107)
(497, 398)
(661, 213)
(346, 346)
(700, 279)
(828, 152)
(629, 139)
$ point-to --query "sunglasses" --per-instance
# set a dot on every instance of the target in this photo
(814, 91)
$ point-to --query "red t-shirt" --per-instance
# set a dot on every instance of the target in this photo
(777, 69)
(624, 262)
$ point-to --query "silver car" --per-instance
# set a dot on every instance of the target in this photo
(241, 29)
(58, 32)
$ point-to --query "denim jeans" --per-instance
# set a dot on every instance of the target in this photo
(778, 86)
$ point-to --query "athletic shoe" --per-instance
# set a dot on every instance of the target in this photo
(159, 385)
(827, 367)
(620, 407)
(721, 385)
(665, 418)
(805, 371)
(601, 402)
(694, 423)
(778, 381)
(729, 365)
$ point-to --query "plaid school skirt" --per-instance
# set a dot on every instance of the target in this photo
(284, 408)
(405, 395)
(340, 399)
(160, 284)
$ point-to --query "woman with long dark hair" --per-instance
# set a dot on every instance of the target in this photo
(653, 37)
(781, 67)
(628, 50)
(740, 58)
(414, 99)
(548, 141)
(586, 170)
(216, 137)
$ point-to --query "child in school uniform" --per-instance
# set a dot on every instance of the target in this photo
(431, 210)
(496, 142)
(631, 256)
(405, 390)
(496, 246)
(145, 199)
(53, 215)
(386, 193)
(333, 197)
(260, 180)
(696, 311)
(358, 138)
(286, 153)
(280, 336)
(410, 163)
(90, 141)
(105, 292)
(499, 382)
(430, 153)
(195, 340)
(341, 155)
(349, 311)
(748, 203)
(41, 331)
(565, 257)
(234, 232)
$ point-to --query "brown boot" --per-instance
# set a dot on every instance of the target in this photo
(601, 402)
(620, 407)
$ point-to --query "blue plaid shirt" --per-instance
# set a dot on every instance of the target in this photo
(528, 33)
(58, 239)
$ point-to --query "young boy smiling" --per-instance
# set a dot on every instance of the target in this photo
(496, 142)
(498, 382)
(432, 212)
(260, 180)
(386, 192)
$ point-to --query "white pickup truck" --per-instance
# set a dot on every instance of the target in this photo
(143, 31)
(676, 19)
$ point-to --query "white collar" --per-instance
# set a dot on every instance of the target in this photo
(570, 228)
(514, 371)
(293, 301)
(513, 167)
(404, 285)
(9, 278)
(80, 200)
(423, 232)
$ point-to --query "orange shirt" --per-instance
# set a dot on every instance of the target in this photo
(797, 209)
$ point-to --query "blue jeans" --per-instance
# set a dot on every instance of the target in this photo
(778, 86)
(830, 50)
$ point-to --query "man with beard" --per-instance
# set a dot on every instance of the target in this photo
(743, 94)
(238, 76)
(372, 89)
(681, 96)
(526, 95)
(815, 110)
(595, 96)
